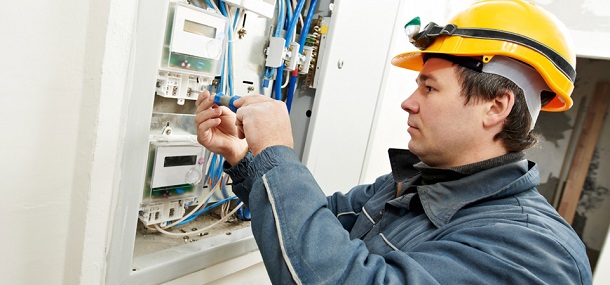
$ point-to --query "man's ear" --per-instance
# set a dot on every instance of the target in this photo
(498, 109)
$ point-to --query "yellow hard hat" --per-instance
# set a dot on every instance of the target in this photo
(513, 28)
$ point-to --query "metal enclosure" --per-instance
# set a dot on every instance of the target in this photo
(331, 123)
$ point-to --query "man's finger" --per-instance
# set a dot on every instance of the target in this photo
(202, 96)
(250, 99)
(204, 101)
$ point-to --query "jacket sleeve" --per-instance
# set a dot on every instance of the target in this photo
(346, 207)
(299, 237)
(302, 242)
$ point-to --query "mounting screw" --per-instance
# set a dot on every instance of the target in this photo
(242, 33)
(340, 64)
(250, 88)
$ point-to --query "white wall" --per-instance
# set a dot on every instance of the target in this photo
(43, 69)
(63, 79)
(390, 123)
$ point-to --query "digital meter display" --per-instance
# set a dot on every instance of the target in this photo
(172, 161)
(199, 29)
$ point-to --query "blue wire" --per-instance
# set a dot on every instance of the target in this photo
(278, 82)
(209, 3)
(288, 37)
(224, 12)
(304, 32)
(281, 14)
(307, 24)
(288, 14)
(291, 86)
(196, 214)
(293, 21)
(289, 32)
(236, 18)
(218, 175)
(237, 11)
(281, 11)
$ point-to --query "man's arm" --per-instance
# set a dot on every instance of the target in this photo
(302, 241)
(347, 207)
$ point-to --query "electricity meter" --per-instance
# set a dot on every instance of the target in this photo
(193, 51)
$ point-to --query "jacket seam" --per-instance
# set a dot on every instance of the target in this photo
(388, 242)
(367, 215)
(295, 277)
(347, 213)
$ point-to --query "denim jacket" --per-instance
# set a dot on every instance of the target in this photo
(491, 227)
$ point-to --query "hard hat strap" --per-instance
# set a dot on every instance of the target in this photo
(426, 37)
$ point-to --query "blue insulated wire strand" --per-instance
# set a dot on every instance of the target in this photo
(196, 214)
(293, 21)
(304, 32)
(209, 4)
(291, 28)
(288, 14)
(291, 88)
(307, 24)
(281, 15)
(237, 11)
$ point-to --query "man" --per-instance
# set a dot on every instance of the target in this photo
(461, 207)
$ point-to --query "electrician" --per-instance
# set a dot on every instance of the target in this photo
(460, 207)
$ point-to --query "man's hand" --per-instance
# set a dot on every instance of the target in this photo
(217, 131)
(264, 122)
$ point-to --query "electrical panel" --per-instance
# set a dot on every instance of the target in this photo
(185, 204)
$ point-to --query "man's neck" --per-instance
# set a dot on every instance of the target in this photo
(433, 175)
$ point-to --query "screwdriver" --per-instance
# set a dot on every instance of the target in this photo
(223, 100)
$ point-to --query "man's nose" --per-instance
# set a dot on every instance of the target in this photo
(410, 104)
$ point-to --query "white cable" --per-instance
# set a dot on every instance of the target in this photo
(201, 203)
(215, 7)
(181, 235)
(287, 79)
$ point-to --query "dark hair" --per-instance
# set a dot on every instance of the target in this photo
(516, 134)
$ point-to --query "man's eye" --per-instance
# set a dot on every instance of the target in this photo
(429, 88)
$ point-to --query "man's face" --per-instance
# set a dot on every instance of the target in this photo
(443, 129)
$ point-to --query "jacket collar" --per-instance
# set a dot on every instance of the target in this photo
(441, 201)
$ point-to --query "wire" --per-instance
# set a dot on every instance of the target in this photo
(212, 5)
(291, 88)
(192, 212)
(294, 3)
(304, 33)
(206, 209)
(181, 235)
(280, 18)
(229, 56)
(291, 30)
(289, 12)
(212, 186)
(287, 80)
(293, 22)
